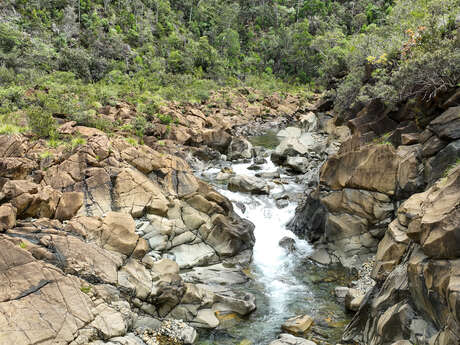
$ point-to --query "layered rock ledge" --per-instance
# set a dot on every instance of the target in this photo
(94, 238)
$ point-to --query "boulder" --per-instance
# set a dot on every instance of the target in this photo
(191, 255)
(69, 204)
(17, 168)
(7, 217)
(353, 299)
(248, 184)
(309, 121)
(432, 146)
(298, 164)
(298, 146)
(230, 235)
(12, 146)
(373, 206)
(239, 148)
(217, 139)
(297, 325)
(288, 244)
(447, 126)
(310, 219)
(390, 250)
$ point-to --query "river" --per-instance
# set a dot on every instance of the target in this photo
(285, 284)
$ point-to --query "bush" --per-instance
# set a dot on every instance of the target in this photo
(165, 119)
(41, 122)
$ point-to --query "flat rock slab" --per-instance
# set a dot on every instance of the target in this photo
(298, 325)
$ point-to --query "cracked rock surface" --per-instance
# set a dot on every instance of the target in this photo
(93, 241)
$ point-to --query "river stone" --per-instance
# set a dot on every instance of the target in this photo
(297, 325)
(248, 184)
(353, 299)
(239, 148)
(289, 132)
(216, 274)
(269, 174)
(206, 318)
(282, 203)
(309, 121)
(341, 291)
(298, 164)
(288, 339)
(287, 243)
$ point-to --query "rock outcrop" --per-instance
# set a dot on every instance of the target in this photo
(92, 245)
(392, 194)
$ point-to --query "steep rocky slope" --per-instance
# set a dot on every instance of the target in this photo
(392, 191)
(107, 241)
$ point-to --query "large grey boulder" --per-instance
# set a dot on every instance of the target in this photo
(300, 145)
(248, 184)
(239, 148)
(298, 164)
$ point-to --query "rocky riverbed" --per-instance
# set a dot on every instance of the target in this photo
(186, 239)
(109, 241)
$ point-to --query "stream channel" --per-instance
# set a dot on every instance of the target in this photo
(285, 284)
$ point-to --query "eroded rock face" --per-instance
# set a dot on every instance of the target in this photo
(100, 239)
(372, 168)
(417, 264)
(393, 189)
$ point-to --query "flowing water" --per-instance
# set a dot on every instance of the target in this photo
(285, 284)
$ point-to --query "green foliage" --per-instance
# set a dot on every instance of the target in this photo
(46, 154)
(132, 141)
(451, 167)
(75, 142)
(8, 128)
(41, 122)
(85, 289)
(67, 56)
(165, 119)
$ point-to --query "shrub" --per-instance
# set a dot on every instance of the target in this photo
(75, 142)
(41, 122)
(165, 119)
(132, 141)
(140, 125)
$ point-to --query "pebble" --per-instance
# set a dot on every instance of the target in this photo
(365, 282)
(168, 333)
